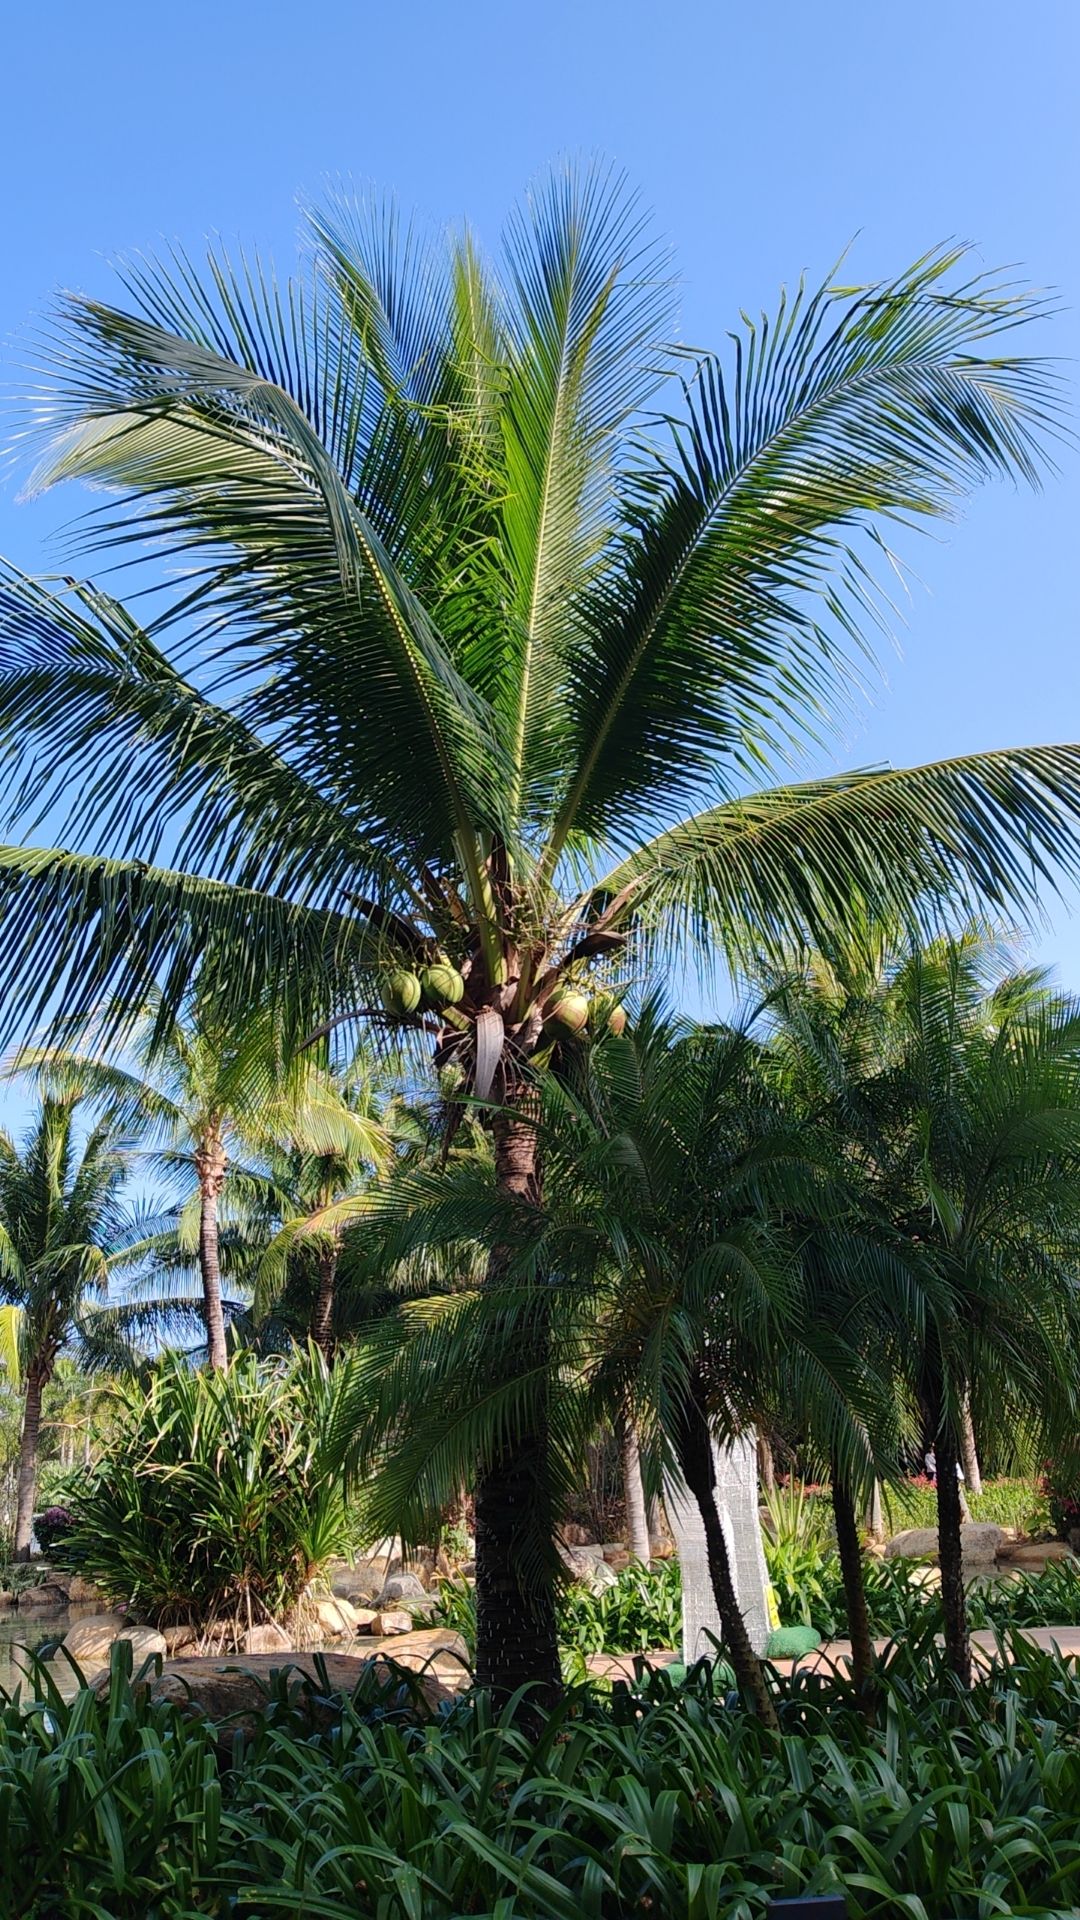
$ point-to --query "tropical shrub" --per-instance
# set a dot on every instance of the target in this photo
(1062, 1488)
(648, 1802)
(214, 1498)
(640, 1611)
(52, 1529)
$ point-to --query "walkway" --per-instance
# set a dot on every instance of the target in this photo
(833, 1655)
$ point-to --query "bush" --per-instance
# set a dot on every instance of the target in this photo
(52, 1529)
(655, 1801)
(214, 1498)
(1062, 1488)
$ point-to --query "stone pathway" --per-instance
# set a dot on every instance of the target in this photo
(834, 1655)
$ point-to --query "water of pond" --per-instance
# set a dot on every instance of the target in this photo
(34, 1628)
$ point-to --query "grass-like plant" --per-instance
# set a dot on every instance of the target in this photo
(214, 1499)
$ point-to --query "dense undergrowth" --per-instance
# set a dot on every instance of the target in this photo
(659, 1800)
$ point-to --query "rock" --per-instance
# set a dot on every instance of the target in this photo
(233, 1692)
(617, 1560)
(338, 1617)
(401, 1586)
(437, 1650)
(599, 1576)
(39, 1599)
(980, 1542)
(364, 1617)
(267, 1638)
(576, 1536)
(393, 1620)
(1033, 1555)
(7, 1599)
(89, 1641)
(915, 1543)
(929, 1577)
(361, 1582)
(82, 1592)
(179, 1639)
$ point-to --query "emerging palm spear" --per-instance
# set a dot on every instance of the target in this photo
(475, 660)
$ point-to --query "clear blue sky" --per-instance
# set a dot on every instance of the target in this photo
(765, 139)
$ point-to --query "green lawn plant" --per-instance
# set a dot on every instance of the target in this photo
(656, 1799)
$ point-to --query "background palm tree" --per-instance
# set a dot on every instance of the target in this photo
(493, 608)
(62, 1225)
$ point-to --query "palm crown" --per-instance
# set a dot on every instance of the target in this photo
(471, 657)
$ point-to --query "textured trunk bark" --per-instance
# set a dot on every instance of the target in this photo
(766, 1465)
(696, 1462)
(516, 1637)
(322, 1319)
(211, 1163)
(851, 1568)
(637, 1521)
(28, 1459)
(950, 1553)
(969, 1457)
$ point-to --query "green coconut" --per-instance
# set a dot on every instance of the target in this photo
(401, 992)
(606, 1015)
(568, 1012)
(441, 985)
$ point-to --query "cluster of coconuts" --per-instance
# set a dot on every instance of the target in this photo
(433, 989)
(571, 1013)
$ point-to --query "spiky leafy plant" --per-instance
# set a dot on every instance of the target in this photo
(494, 610)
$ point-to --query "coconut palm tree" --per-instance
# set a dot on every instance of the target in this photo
(342, 1138)
(192, 1091)
(62, 1227)
(494, 611)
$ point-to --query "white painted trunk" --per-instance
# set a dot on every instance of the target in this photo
(737, 1499)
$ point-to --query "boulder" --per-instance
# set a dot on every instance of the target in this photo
(179, 1639)
(915, 1543)
(41, 1599)
(401, 1586)
(598, 1576)
(232, 1692)
(617, 1559)
(428, 1643)
(338, 1617)
(980, 1542)
(89, 1641)
(361, 1582)
(1031, 1556)
(267, 1638)
(929, 1577)
(82, 1592)
(389, 1620)
(576, 1536)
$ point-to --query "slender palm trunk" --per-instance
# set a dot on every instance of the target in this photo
(766, 1465)
(851, 1568)
(950, 1553)
(698, 1470)
(516, 1637)
(637, 1519)
(28, 1462)
(322, 1318)
(969, 1457)
(211, 1162)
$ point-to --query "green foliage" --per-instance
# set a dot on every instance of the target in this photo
(1006, 1503)
(640, 1611)
(1062, 1488)
(795, 1539)
(214, 1497)
(650, 1801)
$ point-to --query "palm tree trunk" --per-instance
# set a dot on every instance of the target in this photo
(28, 1463)
(969, 1457)
(766, 1465)
(637, 1520)
(875, 1522)
(211, 1162)
(696, 1463)
(516, 1635)
(950, 1553)
(851, 1568)
(322, 1319)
